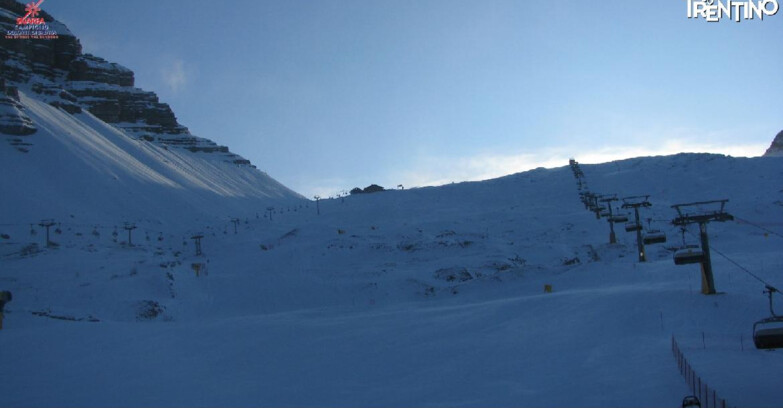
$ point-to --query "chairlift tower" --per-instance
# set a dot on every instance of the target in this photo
(580, 179)
(637, 202)
(129, 227)
(608, 199)
(578, 174)
(235, 221)
(47, 224)
(703, 218)
(587, 199)
(197, 239)
(592, 204)
(583, 198)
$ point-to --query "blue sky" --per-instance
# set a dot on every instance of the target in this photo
(327, 95)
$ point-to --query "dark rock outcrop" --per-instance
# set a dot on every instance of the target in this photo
(90, 68)
(776, 149)
(24, 58)
(373, 188)
(13, 120)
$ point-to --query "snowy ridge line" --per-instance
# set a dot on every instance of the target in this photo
(700, 388)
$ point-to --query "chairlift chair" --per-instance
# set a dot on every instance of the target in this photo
(690, 254)
(768, 333)
(654, 237)
(632, 226)
(691, 401)
(618, 218)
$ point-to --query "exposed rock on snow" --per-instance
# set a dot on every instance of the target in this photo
(13, 120)
(88, 67)
(776, 149)
(454, 274)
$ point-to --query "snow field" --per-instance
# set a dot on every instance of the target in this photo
(429, 296)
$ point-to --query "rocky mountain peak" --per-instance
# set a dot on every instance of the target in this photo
(776, 149)
(59, 73)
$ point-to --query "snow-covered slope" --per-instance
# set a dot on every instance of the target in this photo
(431, 296)
(77, 167)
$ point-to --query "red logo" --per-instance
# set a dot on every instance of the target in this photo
(31, 18)
(31, 27)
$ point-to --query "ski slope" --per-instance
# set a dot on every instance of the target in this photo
(430, 296)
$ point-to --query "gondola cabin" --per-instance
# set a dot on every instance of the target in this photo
(632, 226)
(654, 237)
(768, 333)
(691, 254)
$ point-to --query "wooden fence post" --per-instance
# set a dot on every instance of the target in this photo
(706, 396)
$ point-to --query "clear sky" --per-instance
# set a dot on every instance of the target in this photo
(327, 95)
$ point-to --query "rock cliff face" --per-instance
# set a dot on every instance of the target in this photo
(776, 149)
(56, 71)
(13, 120)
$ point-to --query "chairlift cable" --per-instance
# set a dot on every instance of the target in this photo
(758, 226)
(746, 270)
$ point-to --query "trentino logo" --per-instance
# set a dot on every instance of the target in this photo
(715, 10)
